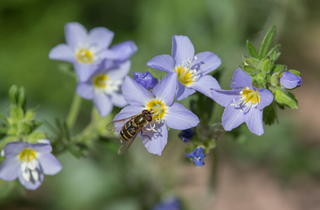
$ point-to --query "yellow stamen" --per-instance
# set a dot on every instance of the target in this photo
(99, 81)
(84, 56)
(159, 109)
(250, 95)
(184, 76)
(27, 155)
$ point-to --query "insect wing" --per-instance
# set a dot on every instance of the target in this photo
(116, 126)
(124, 145)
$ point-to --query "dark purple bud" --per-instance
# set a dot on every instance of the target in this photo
(289, 80)
(197, 155)
(145, 79)
(170, 203)
(186, 135)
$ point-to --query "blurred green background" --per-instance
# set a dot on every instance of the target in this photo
(280, 170)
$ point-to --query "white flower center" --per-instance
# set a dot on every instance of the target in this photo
(188, 74)
(29, 165)
(102, 82)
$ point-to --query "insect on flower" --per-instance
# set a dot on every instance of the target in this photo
(130, 128)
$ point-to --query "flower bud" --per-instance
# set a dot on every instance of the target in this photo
(145, 79)
(186, 135)
(289, 80)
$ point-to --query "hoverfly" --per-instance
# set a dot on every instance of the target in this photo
(130, 128)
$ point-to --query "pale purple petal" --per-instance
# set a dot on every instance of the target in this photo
(28, 184)
(121, 52)
(102, 103)
(205, 84)
(49, 163)
(182, 49)
(62, 52)
(253, 120)
(117, 99)
(166, 88)
(179, 117)
(232, 118)
(41, 147)
(134, 93)
(183, 91)
(14, 148)
(158, 140)
(210, 60)
(128, 111)
(84, 71)
(224, 97)
(85, 90)
(266, 97)
(10, 169)
(162, 62)
(120, 71)
(100, 37)
(240, 79)
(76, 34)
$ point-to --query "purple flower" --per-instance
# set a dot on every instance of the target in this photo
(191, 70)
(187, 134)
(87, 50)
(104, 88)
(170, 203)
(145, 79)
(197, 155)
(28, 163)
(289, 80)
(166, 112)
(244, 103)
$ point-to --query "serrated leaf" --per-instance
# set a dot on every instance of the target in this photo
(252, 50)
(269, 114)
(267, 42)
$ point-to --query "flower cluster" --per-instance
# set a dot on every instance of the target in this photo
(100, 69)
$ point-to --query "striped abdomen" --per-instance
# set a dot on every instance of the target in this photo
(132, 127)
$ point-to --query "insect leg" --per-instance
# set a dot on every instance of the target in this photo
(145, 135)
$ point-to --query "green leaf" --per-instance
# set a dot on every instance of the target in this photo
(274, 80)
(4, 118)
(24, 127)
(247, 61)
(21, 97)
(297, 73)
(16, 113)
(285, 98)
(279, 68)
(267, 42)
(266, 65)
(277, 55)
(273, 51)
(270, 114)
(252, 50)
(260, 78)
(30, 114)
(251, 70)
(13, 94)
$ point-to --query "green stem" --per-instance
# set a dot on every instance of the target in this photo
(74, 110)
